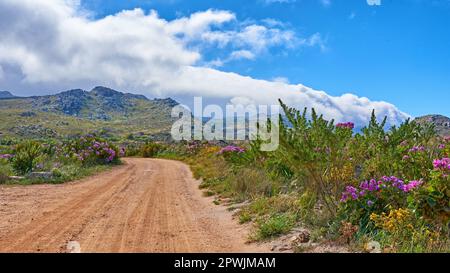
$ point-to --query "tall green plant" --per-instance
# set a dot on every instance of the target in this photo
(316, 151)
(26, 157)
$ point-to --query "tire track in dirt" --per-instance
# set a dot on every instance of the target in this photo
(146, 205)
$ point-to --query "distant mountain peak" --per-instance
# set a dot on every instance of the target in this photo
(168, 101)
(441, 123)
(74, 92)
(105, 91)
(6, 95)
(111, 93)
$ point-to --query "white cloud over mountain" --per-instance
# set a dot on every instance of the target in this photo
(54, 43)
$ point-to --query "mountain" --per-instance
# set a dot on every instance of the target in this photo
(6, 95)
(441, 123)
(101, 110)
(100, 103)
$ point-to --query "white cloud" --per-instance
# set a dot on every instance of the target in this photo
(281, 79)
(315, 40)
(242, 54)
(273, 22)
(235, 55)
(195, 26)
(52, 44)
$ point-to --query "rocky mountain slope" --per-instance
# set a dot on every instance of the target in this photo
(441, 123)
(6, 95)
(101, 110)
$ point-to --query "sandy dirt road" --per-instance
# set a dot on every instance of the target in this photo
(146, 205)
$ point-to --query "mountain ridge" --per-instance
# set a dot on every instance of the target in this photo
(6, 95)
(441, 123)
(76, 111)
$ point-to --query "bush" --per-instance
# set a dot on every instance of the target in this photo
(322, 165)
(275, 225)
(26, 156)
(91, 150)
(151, 149)
(252, 182)
(402, 231)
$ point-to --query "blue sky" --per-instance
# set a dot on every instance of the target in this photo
(398, 51)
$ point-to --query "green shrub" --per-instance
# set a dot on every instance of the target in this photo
(275, 225)
(318, 176)
(252, 182)
(26, 157)
(151, 149)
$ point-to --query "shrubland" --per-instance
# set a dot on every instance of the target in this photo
(385, 185)
(53, 161)
(389, 185)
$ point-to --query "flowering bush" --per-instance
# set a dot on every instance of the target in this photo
(397, 220)
(193, 147)
(326, 163)
(233, 154)
(401, 230)
(91, 150)
(358, 203)
(442, 164)
(433, 200)
(346, 125)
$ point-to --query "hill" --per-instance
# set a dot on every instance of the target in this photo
(6, 95)
(442, 123)
(102, 110)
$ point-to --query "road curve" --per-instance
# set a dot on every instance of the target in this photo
(145, 205)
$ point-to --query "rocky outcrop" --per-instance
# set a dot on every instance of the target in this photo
(441, 123)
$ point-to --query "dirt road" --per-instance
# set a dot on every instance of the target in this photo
(146, 205)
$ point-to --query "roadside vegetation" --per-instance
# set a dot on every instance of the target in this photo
(50, 161)
(389, 187)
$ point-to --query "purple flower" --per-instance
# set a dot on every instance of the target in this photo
(6, 156)
(233, 149)
(350, 191)
(366, 187)
(442, 164)
(412, 185)
(417, 149)
(370, 203)
(441, 146)
(346, 125)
